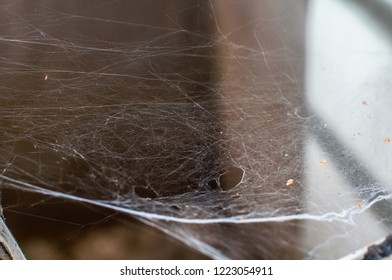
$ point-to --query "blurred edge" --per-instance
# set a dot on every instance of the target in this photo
(9, 248)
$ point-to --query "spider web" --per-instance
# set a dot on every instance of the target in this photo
(191, 116)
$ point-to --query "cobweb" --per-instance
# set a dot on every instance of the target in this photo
(192, 116)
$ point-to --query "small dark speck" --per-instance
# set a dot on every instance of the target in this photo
(213, 184)
(175, 208)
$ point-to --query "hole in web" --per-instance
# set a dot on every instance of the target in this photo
(145, 192)
(213, 184)
(175, 207)
(229, 179)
